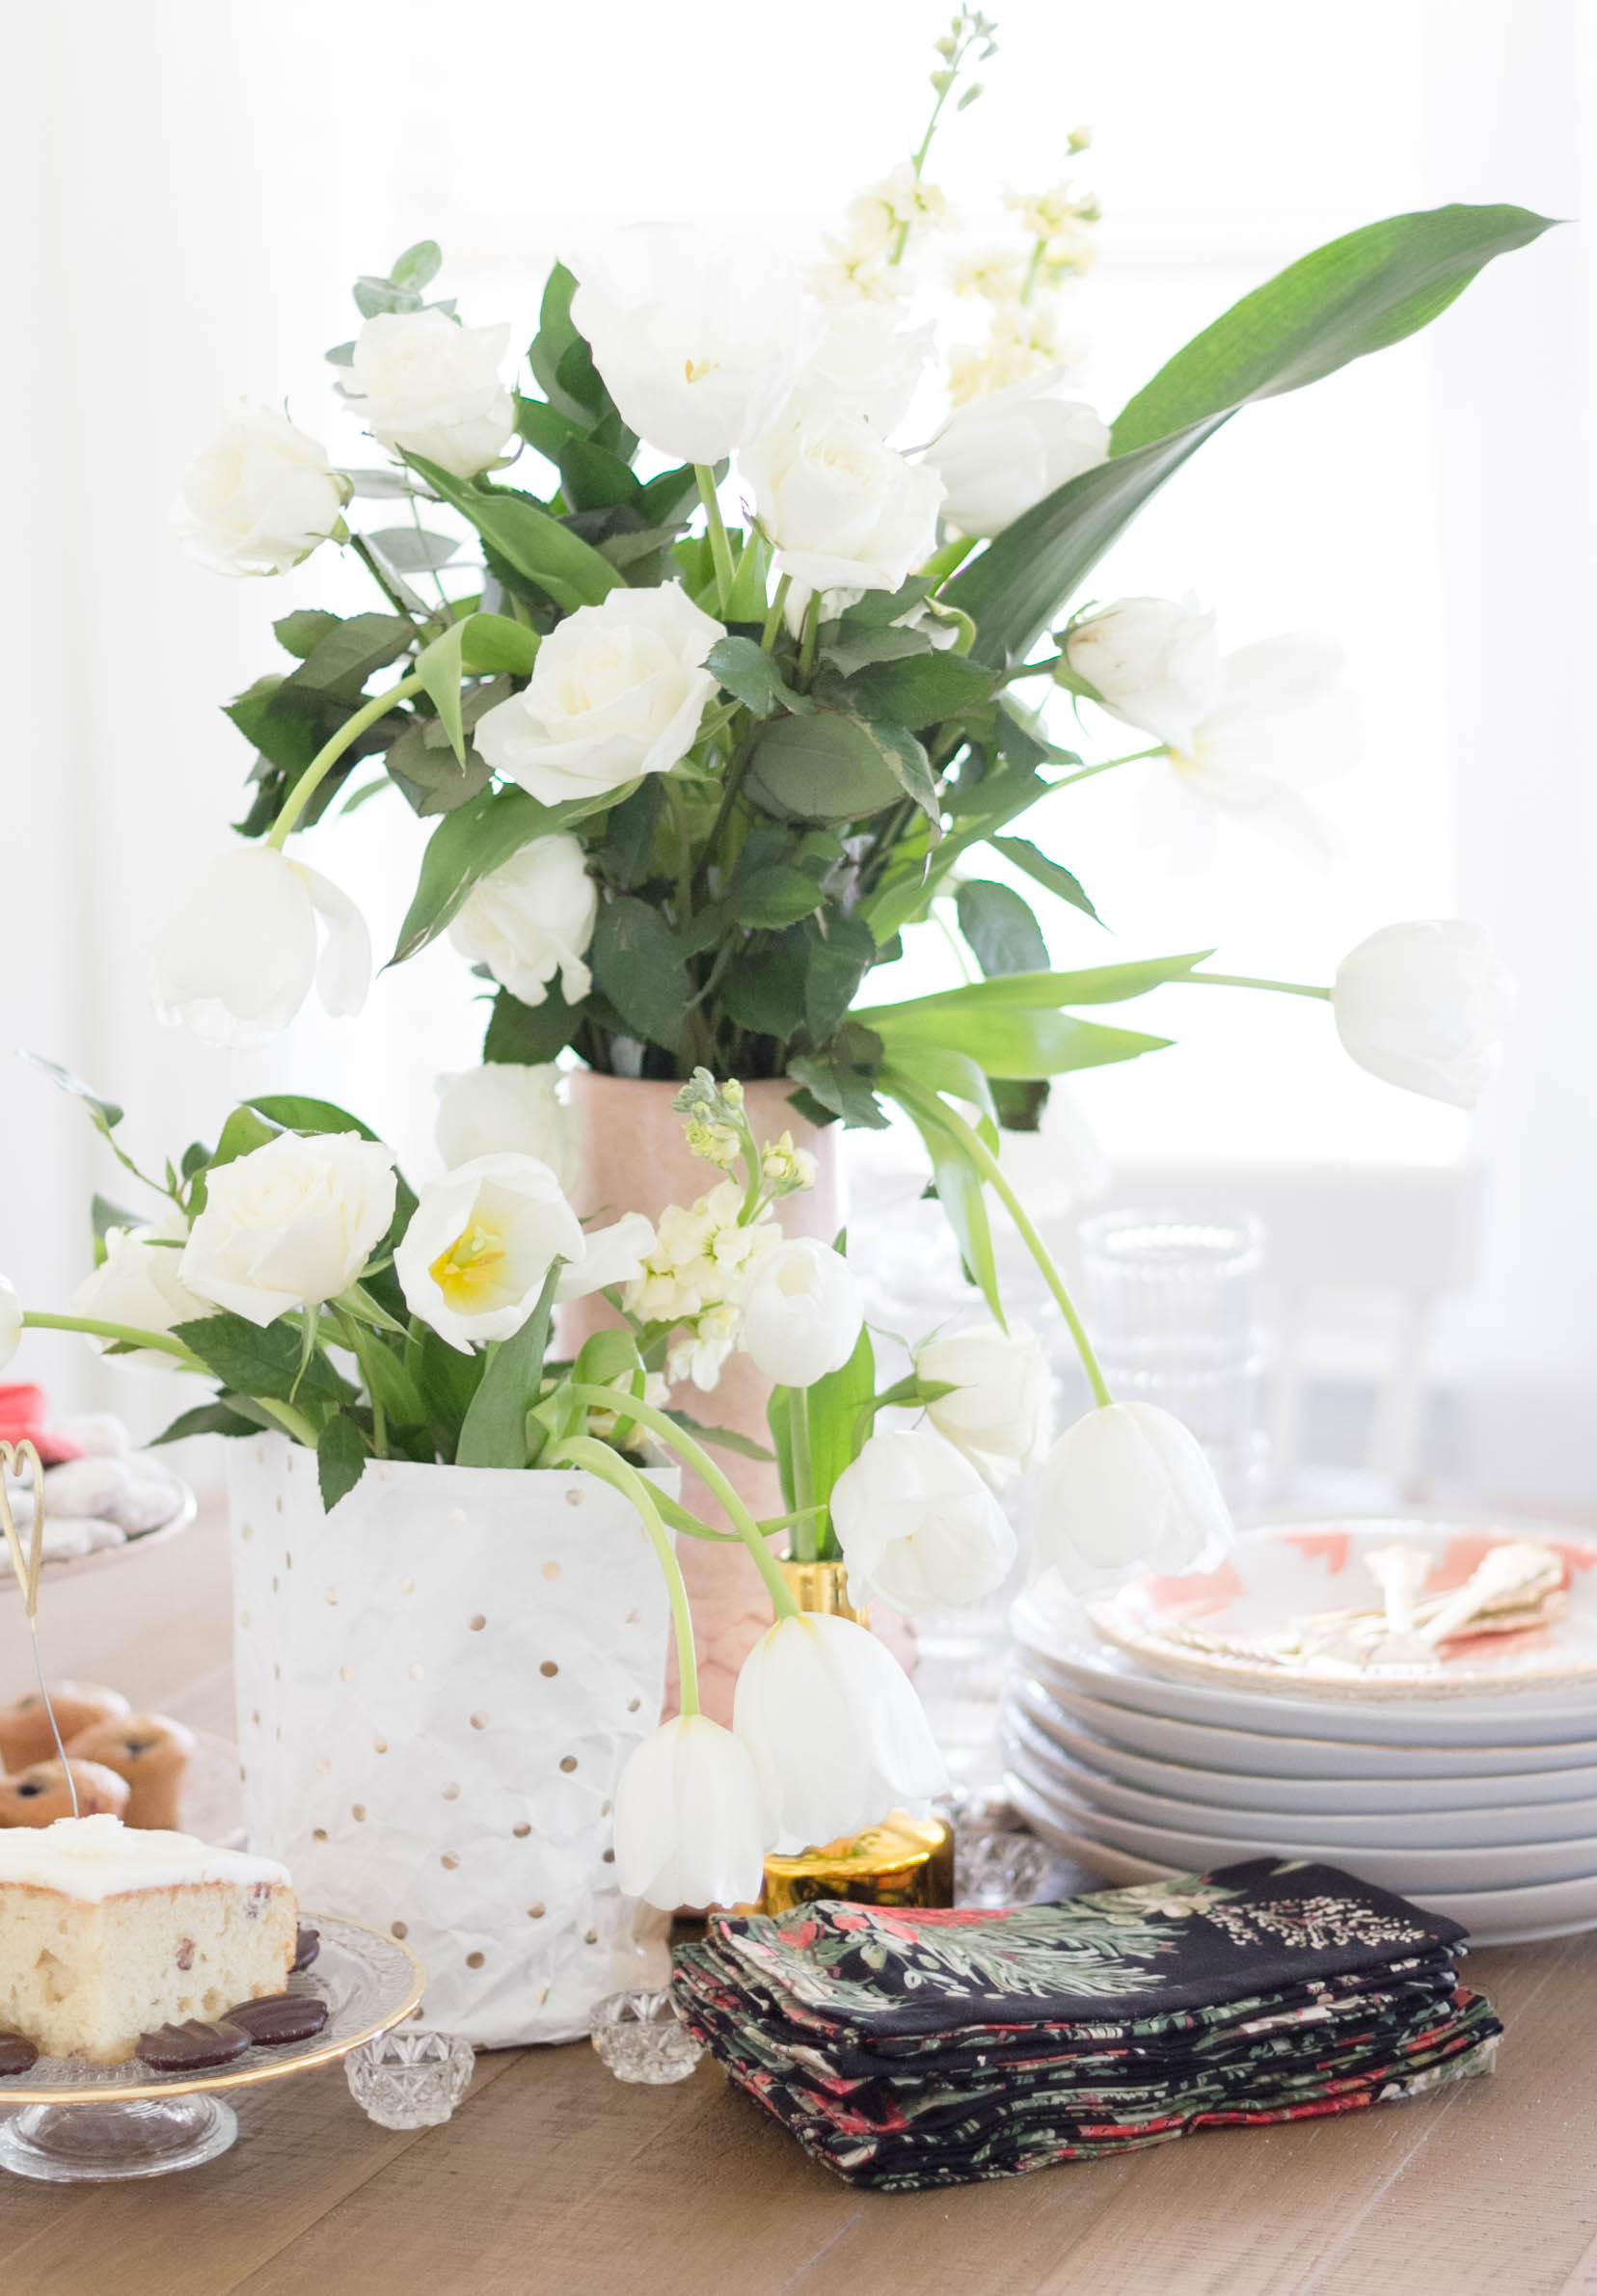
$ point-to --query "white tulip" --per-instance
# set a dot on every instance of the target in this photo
(697, 341)
(427, 386)
(241, 950)
(617, 690)
(1153, 662)
(1000, 1410)
(1425, 1006)
(689, 1826)
(481, 1241)
(532, 918)
(11, 1321)
(1128, 1489)
(140, 1281)
(843, 510)
(260, 496)
(803, 1314)
(838, 1735)
(1001, 454)
(507, 1106)
(918, 1525)
(290, 1225)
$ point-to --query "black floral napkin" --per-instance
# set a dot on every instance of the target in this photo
(911, 2048)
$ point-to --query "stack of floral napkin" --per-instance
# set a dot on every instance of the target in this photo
(906, 2048)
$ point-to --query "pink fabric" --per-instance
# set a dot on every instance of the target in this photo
(22, 1414)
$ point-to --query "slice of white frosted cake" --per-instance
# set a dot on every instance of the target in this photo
(106, 1932)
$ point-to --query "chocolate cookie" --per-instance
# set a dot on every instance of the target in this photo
(279, 2018)
(307, 1946)
(192, 2046)
(16, 2055)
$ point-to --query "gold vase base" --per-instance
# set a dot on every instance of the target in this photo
(904, 1861)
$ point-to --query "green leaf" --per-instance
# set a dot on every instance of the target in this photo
(300, 634)
(472, 842)
(910, 765)
(388, 1382)
(1037, 865)
(834, 1405)
(750, 580)
(424, 768)
(299, 1112)
(628, 851)
(107, 1115)
(762, 989)
(606, 1358)
(448, 1379)
(958, 1187)
(773, 896)
(1000, 928)
(493, 1431)
(778, 1419)
(528, 1035)
(1019, 1101)
(284, 740)
(635, 965)
(920, 691)
(846, 655)
(1355, 296)
(205, 1418)
(1096, 985)
(1017, 1041)
(258, 1361)
(241, 1135)
(530, 540)
(839, 958)
(825, 768)
(419, 266)
(724, 1439)
(439, 666)
(842, 1079)
(751, 676)
(338, 664)
(341, 1454)
(103, 1216)
(412, 549)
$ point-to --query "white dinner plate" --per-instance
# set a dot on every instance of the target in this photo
(1492, 1916)
(1059, 1634)
(1245, 1790)
(1280, 1572)
(1269, 1754)
(1409, 1871)
(1526, 1823)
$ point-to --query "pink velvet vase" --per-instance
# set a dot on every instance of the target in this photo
(634, 1159)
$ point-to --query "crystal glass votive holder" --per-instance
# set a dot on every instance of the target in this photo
(641, 2038)
(410, 2078)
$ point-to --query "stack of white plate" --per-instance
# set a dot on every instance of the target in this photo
(1472, 1790)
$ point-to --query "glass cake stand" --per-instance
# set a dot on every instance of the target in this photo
(67, 2121)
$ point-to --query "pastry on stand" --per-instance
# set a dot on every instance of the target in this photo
(40, 1793)
(25, 1733)
(152, 1753)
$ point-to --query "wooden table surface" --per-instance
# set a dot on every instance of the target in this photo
(554, 2176)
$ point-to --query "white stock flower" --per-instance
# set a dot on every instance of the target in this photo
(481, 1241)
(804, 1313)
(689, 1826)
(1153, 662)
(259, 498)
(918, 1525)
(1001, 454)
(697, 340)
(241, 948)
(507, 1106)
(866, 363)
(290, 1225)
(1128, 1489)
(11, 1321)
(531, 918)
(425, 385)
(140, 1282)
(617, 690)
(1001, 1405)
(843, 510)
(1424, 1004)
(838, 1735)
(1284, 721)
(696, 1276)
(1027, 342)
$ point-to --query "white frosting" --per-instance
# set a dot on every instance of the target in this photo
(93, 1858)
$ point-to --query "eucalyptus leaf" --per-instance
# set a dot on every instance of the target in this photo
(106, 1114)
(412, 549)
(419, 266)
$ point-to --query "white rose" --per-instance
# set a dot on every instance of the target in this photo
(290, 1225)
(11, 1321)
(1425, 1006)
(427, 386)
(999, 1411)
(1128, 1489)
(240, 951)
(140, 1282)
(532, 918)
(481, 1241)
(803, 1314)
(617, 690)
(843, 510)
(697, 341)
(838, 1735)
(866, 363)
(689, 1826)
(917, 1524)
(1001, 454)
(1153, 664)
(507, 1106)
(260, 496)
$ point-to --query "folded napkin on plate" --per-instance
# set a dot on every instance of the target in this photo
(904, 2050)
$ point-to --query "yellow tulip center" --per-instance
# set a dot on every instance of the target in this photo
(465, 1269)
(695, 371)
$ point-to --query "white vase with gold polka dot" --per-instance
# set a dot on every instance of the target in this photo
(437, 1684)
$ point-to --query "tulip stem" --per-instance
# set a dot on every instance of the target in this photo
(1243, 981)
(808, 1533)
(720, 549)
(946, 558)
(598, 1459)
(292, 1421)
(773, 614)
(328, 754)
(692, 1454)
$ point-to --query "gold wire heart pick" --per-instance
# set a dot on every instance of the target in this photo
(17, 1458)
